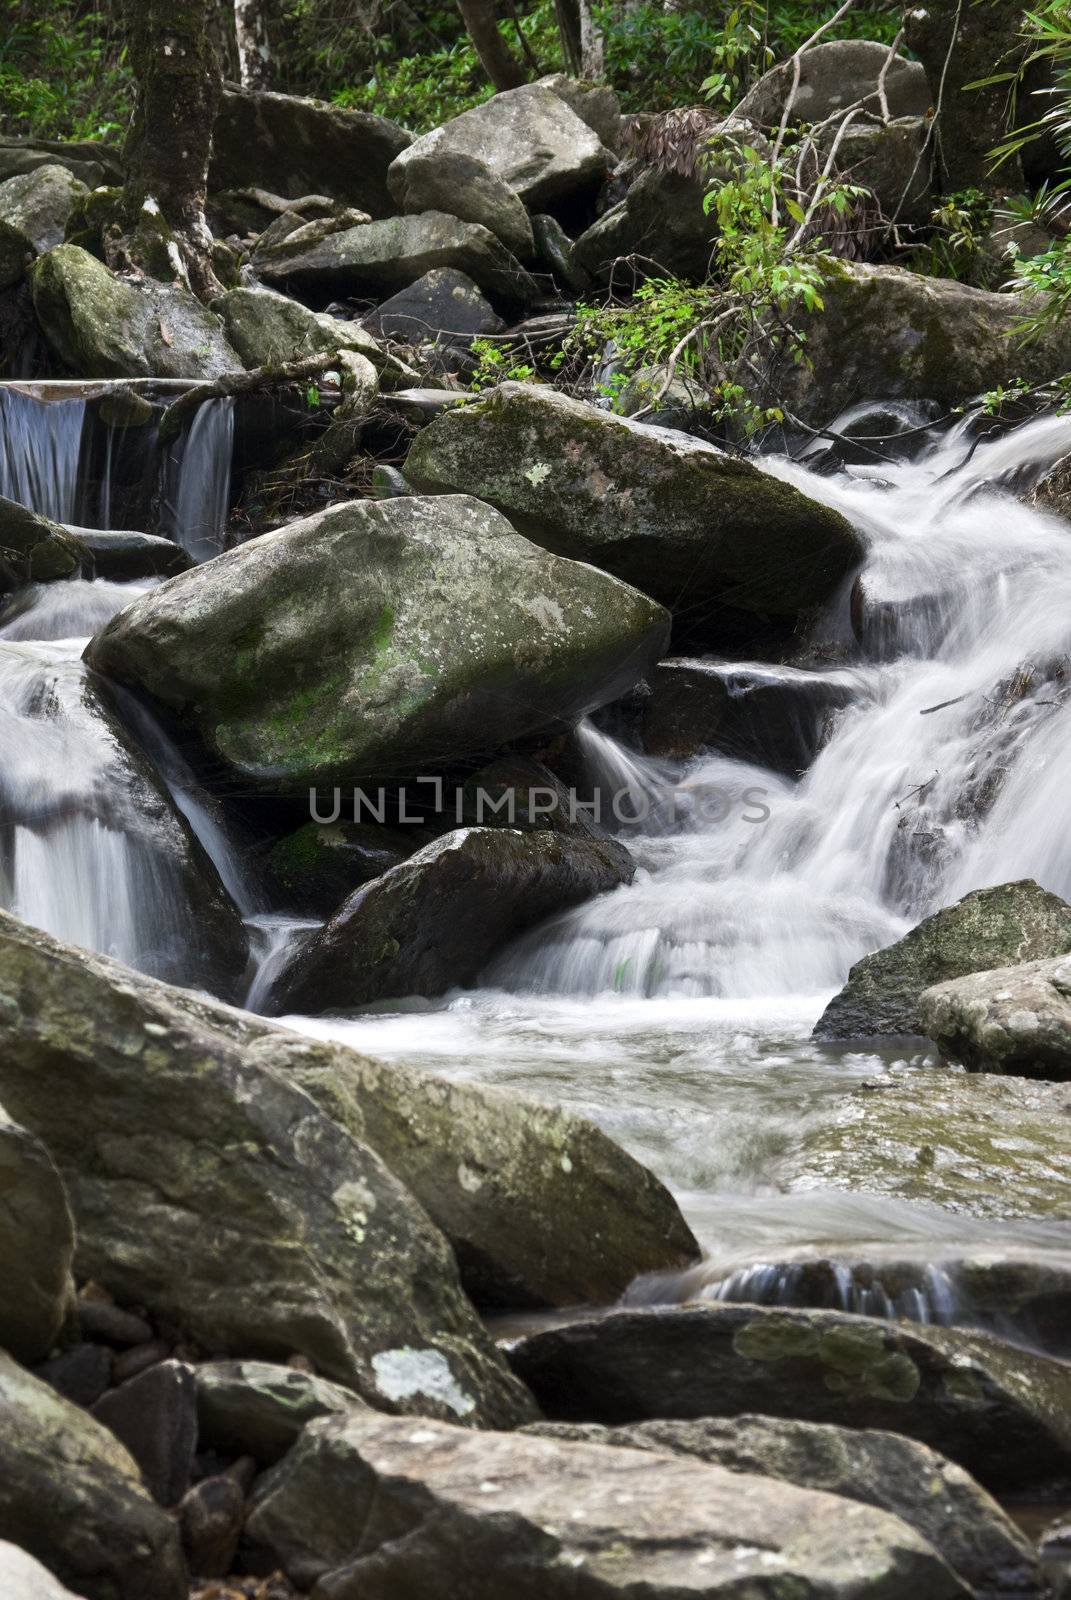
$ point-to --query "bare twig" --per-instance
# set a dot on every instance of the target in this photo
(797, 62)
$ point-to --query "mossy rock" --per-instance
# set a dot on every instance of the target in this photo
(33, 549)
(34, 207)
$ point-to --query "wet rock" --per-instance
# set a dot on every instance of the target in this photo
(439, 316)
(81, 1374)
(259, 1409)
(516, 791)
(372, 1508)
(939, 1500)
(155, 1416)
(433, 922)
(23, 1578)
(435, 177)
(360, 643)
(833, 76)
(316, 868)
(36, 1245)
(301, 147)
(1053, 493)
(218, 1194)
(267, 329)
(1015, 1019)
(379, 258)
(1011, 923)
(127, 557)
(71, 1496)
(778, 717)
(1002, 1413)
(530, 137)
(34, 208)
(139, 1359)
(101, 326)
(686, 523)
(33, 549)
(210, 1520)
(540, 1206)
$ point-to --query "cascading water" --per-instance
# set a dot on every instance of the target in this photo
(198, 481)
(40, 445)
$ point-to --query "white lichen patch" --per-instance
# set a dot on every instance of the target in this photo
(538, 474)
(469, 1180)
(406, 1373)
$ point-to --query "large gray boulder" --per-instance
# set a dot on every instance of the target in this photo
(931, 1494)
(1014, 1019)
(530, 137)
(295, 146)
(686, 523)
(1002, 1413)
(373, 638)
(34, 208)
(998, 927)
(33, 549)
(435, 177)
(218, 1194)
(102, 326)
(71, 1496)
(376, 259)
(433, 922)
(36, 1245)
(370, 1508)
(267, 329)
(834, 76)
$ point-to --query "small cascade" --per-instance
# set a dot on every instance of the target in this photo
(273, 943)
(40, 447)
(927, 1293)
(198, 481)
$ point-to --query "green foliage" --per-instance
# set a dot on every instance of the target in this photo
(960, 224)
(63, 72)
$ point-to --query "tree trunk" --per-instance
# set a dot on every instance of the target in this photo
(496, 57)
(567, 15)
(176, 69)
(592, 47)
(582, 42)
(251, 33)
(960, 42)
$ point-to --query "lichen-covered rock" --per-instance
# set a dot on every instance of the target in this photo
(34, 208)
(267, 329)
(258, 1409)
(594, 103)
(1014, 1019)
(998, 927)
(372, 638)
(367, 1507)
(930, 1493)
(530, 137)
(832, 77)
(433, 922)
(437, 178)
(686, 523)
(218, 1194)
(102, 326)
(1002, 1413)
(72, 1497)
(378, 258)
(34, 549)
(295, 146)
(36, 1245)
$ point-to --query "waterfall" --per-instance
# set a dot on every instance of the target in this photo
(198, 481)
(40, 445)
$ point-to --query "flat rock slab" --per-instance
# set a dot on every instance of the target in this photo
(370, 1509)
(1002, 1413)
(1014, 1019)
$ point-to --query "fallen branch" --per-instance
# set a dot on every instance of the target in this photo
(231, 383)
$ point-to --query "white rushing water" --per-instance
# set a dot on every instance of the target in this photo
(197, 492)
(39, 452)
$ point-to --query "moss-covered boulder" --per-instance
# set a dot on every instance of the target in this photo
(378, 638)
(102, 326)
(217, 1193)
(998, 927)
(267, 329)
(34, 208)
(1014, 1019)
(1002, 1413)
(693, 527)
(931, 1494)
(36, 1245)
(34, 549)
(71, 1496)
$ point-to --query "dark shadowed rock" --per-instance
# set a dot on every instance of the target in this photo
(438, 178)
(439, 316)
(998, 927)
(370, 1508)
(155, 1416)
(36, 1245)
(661, 222)
(257, 1408)
(210, 1519)
(1014, 1019)
(71, 1496)
(126, 557)
(1002, 1413)
(314, 869)
(433, 922)
(34, 549)
(931, 1494)
(297, 147)
(80, 1374)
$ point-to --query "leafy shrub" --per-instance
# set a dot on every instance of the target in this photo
(63, 72)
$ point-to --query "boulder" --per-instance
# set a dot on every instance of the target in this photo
(258, 1409)
(123, 557)
(1053, 493)
(300, 147)
(594, 103)
(211, 1516)
(554, 251)
(71, 1496)
(314, 869)
(530, 137)
(374, 637)
(1002, 1413)
(267, 329)
(541, 1207)
(218, 1194)
(439, 316)
(436, 177)
(378, 258)
(434, 922)
(891, 159)
(34, 549)
(370, 1507)
(888, 334)
(833, 76)
(931, 1494)
(1015, 1019)
(998, 927)
(88, 160)
(170, 912)
(102, 326)
(688, 524)
(970, 53)
(36, 1245)
(154, 1414)
(23, 1578)
(775, 716)
(80, 1373)
(661, 221)
(34, 208)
